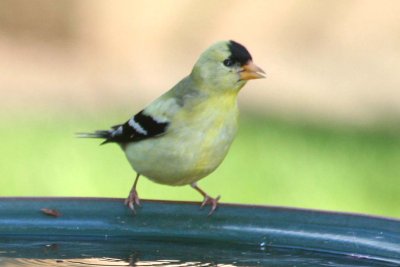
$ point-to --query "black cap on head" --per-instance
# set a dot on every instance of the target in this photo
(239, 53)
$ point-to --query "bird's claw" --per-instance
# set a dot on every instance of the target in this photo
(132, 200)
(210, 201)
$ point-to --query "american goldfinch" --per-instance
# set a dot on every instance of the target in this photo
(185, 134)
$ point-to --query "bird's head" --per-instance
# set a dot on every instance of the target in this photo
(225, 67)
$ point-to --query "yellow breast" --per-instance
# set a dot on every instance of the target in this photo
(196, 144)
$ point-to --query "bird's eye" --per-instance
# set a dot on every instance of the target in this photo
(228, 62)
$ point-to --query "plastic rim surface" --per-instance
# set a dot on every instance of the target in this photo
(105, 218)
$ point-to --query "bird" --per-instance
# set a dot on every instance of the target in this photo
(185, 134)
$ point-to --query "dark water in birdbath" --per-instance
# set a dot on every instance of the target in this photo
(65, 251)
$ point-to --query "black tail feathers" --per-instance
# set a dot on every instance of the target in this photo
(102, 134)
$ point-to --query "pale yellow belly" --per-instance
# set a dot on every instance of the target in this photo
(183, 156)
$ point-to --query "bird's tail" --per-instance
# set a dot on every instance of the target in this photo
(103, 134)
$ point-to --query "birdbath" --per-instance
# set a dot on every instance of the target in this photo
(103, 232)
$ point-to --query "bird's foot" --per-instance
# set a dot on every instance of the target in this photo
(132, 200)
(210, 201)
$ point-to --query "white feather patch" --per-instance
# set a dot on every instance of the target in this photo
(117, 132)
(137, 126)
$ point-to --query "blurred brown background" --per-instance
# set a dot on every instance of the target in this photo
(321, 132)
(333, 60)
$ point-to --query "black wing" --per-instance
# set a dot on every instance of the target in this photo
(139, 127)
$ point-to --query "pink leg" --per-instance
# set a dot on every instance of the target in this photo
(207, 199)
(133, 198)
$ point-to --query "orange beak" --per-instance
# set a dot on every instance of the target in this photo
(251, 71)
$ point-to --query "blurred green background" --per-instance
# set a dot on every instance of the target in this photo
(321, 132)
